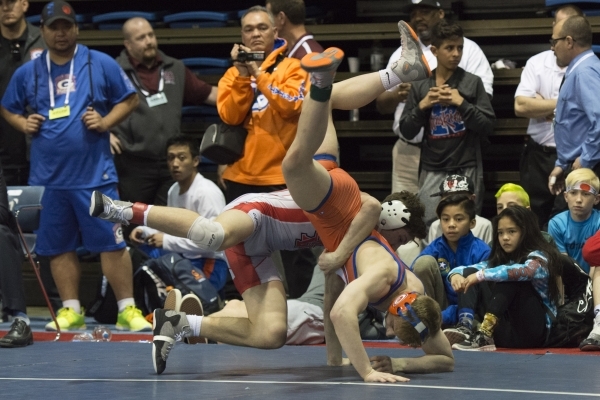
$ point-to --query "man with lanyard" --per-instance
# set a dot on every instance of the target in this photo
(19, 42)
(576, 128)
(163, 85)
(76, 95)
(289, 21)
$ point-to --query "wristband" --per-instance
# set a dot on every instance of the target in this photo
(480, 276)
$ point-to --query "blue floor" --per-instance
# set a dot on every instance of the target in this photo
(66, 370)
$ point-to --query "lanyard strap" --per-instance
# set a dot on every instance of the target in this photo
(580, 61)
(51, 85)
(161, 83)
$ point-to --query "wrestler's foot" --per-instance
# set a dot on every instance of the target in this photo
(168, 327)
(104, 207)
(322, 66)
(190, 304)
(412, 65)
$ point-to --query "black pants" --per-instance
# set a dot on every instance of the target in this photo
(299, 264)
(144, 180)
(11, 257)
(477, 297)
(521, 315)
(537, 162)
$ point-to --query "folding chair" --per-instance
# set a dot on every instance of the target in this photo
(25, 202)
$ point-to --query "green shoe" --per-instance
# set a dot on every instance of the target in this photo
(67, 320)
(131, 319)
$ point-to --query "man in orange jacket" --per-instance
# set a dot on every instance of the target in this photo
(266, 100)
(266, 97)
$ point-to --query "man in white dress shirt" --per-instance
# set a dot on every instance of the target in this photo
(535, 99)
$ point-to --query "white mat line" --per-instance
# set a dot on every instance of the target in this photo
(407, 385)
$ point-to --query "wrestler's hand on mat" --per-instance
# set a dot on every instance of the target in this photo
(384, 377)
(382, 364)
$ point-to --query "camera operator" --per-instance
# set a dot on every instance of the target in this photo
(266, 97)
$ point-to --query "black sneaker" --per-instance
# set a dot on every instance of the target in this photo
(458, 334)
(592, 343)
(168, 327)
(477, 342)
(19, 335)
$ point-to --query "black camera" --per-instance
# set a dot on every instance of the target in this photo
(244, 56)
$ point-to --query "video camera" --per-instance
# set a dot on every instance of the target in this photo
(244, 56)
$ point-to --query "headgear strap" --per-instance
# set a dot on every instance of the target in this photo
(586, 187)
(402, 305)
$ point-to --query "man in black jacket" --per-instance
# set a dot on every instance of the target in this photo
(19, 42)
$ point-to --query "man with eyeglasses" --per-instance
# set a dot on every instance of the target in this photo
(576, 128)
(535, 99)
(19, 42)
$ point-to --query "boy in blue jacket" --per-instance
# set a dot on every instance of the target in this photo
(456, 247)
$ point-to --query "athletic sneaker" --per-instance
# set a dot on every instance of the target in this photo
(173, 300)
(412, 65)
(104, 207)
(477, 342)
(458, 334)
(592, 343)
(322, 66)
(131, 319)
(67, 320)
(168, 327)
(191, 305)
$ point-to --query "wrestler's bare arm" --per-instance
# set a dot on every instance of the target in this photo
(438, 358)
(374, 282)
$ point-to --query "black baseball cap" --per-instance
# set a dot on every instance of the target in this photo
(57, 10)
(422, 3)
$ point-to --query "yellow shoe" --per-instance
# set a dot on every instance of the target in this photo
(67, 320)
(132, 319)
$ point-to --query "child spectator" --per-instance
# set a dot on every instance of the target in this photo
(570, 229)
(511, 194)
(454, 184)
(525, 269)
(457, 246)
(457, 115)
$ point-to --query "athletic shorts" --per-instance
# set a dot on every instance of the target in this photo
(66, 224)
(279, 224)
(333, 216)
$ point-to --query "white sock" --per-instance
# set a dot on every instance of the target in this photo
(124, 303)
(146, 215)
(74, 304)
(389, 79)
(195, 322)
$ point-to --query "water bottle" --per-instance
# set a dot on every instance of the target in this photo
(84, 337)
(102, 334)
(376, 56)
